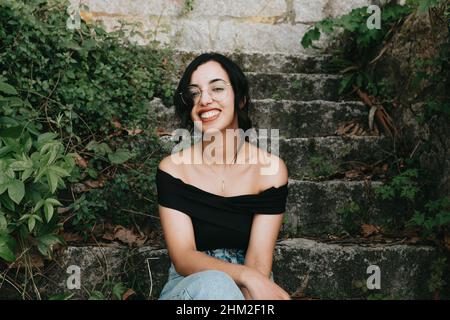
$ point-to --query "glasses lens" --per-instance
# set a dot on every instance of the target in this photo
(191, 95)
(218, 90)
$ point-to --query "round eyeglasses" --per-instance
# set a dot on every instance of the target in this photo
(217, 90)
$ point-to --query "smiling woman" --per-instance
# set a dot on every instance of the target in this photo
(220, 217)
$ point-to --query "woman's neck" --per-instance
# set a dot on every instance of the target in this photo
(220, 147)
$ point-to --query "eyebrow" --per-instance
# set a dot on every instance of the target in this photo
(213, 80)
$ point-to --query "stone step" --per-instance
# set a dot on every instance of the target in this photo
(324, 156)
(293, 118)
(265, 62)
(294, 86)
(327, 271)
(306, 119)
(335, 207)
(335, 271)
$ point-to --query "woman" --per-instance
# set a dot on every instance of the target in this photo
(220, 216)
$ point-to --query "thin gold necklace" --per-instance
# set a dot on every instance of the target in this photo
(234, 160)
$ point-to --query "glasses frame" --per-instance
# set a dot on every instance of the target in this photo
(201, 93)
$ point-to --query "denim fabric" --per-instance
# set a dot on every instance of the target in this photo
(205, 285)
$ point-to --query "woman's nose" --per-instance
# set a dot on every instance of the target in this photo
(205, 97)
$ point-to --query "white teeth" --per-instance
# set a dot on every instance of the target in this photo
(209, 114)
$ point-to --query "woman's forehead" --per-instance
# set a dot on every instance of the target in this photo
(208, 71)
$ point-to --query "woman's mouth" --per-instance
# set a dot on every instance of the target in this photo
(209, 115)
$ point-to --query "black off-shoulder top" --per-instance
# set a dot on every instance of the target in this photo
(218, 221)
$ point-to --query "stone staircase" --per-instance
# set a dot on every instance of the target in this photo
(291, 91)
(307, 111)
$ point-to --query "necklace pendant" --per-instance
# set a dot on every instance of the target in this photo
(223, 185)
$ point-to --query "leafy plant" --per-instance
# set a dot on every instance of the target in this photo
(356, 46)
(435, 218)
(320, 167)
(188, 6)
(402, 185)
(93, 88)
(33, 167)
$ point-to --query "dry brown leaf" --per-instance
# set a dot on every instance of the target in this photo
(36, 261)
(355, 129)
(414, 240)
(108, 236)
(128, 293)
(345, 128)
(161, 132)
(79, 160)
(72, 237)
(117, 124)
(352, 174)
(62, 210)
(94, 184)
(447, 241)
(369, 229)
(128, 236)
(86, 16)
(134, 132)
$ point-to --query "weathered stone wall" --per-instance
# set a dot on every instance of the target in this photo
(420, 38)
(220, 25)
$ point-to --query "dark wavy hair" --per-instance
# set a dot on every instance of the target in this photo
(238, 82)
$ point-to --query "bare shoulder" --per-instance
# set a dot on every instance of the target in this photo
(272, 169)
(169, 165)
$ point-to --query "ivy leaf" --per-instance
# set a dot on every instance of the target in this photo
(16, 190)
(48, 210)
(52, 180)
(120, 156)
(12, 132)
(6, 248)
(7, 203)
(4, 181)
(118, 290)
(38, 205)
(96, 295)
(31, 223)
(45, 138)
(309, 37)
(7, 88)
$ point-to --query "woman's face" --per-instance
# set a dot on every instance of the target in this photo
(215, 107)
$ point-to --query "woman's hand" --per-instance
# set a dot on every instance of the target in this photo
(259, 287)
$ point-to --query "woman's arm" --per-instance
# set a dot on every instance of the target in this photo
(264, 233)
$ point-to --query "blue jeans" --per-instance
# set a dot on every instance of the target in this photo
(205, 285)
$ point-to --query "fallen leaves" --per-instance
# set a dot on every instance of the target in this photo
(447, 241)
(161, 132)
(368, 230)
(352, 128)
(378, 112)
(32, 260)
(128, 294)
(80, 161)
(126, 236)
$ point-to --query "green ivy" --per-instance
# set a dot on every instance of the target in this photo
(93, 89)
(33, 166)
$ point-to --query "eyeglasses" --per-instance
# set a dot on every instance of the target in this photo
(217, 90)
